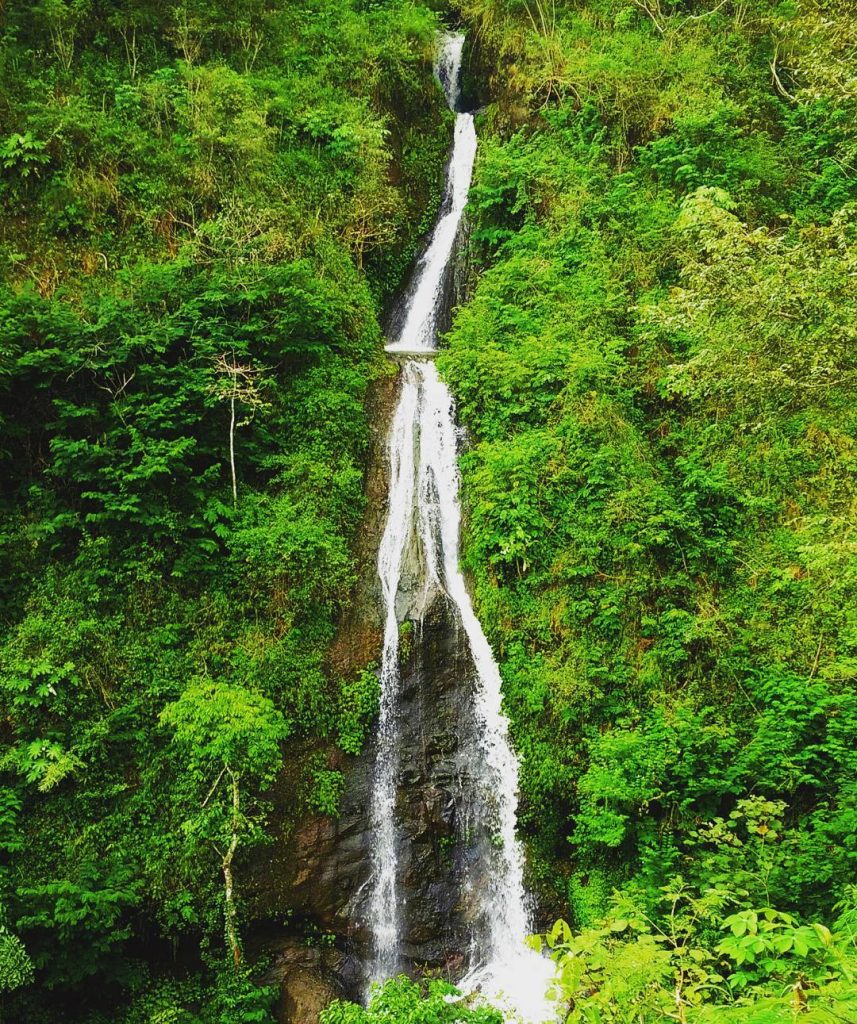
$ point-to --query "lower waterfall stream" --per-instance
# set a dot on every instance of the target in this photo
(418, 564)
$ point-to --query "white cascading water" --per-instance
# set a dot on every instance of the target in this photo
(418, 331)
(423, 500)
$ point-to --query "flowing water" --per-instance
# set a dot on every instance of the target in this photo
(424, 517)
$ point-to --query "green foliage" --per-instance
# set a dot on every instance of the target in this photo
(327, 786)
(42, 762)
(216, 724)
(23, 155)
(202, 205)
(402, 1001)
(232, 998)
(88, 912)
(656, 373)
(237, 998)
(359, 705)
(635, 968)
(16, 967)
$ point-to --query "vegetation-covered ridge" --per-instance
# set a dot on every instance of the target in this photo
(657, 374)
(203, 208)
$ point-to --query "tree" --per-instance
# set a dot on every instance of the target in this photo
(64, 17)
(237, 383)
(230, 738)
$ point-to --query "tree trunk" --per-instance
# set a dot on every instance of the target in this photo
(231, 913)
(232, 452)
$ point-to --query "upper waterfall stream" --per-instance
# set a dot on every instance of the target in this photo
(421, 538)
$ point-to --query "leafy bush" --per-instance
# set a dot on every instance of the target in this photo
(638, 968)
(402, 1001)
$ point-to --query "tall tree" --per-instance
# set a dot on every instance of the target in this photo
(229, 738)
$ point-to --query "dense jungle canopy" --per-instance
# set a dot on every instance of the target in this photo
(206, 209)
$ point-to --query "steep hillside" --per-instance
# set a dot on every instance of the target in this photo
(203, 209)
(657, 373)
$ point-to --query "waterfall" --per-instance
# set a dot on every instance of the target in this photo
(424, 517)
(418, 332)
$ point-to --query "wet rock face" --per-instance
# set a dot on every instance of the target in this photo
(306, 979)
(435, 737)
(303, 895)
(323, 867)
